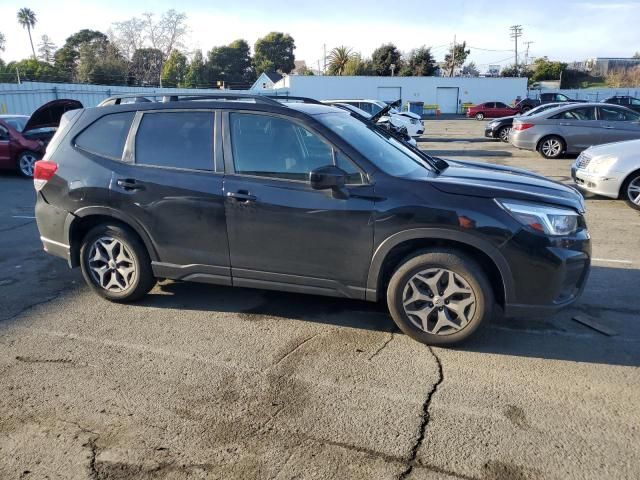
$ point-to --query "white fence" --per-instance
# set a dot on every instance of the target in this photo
(26, 97)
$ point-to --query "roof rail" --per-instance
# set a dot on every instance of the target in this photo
(179, 97)
(285, 98)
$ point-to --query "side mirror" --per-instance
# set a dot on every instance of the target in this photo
(329, 177)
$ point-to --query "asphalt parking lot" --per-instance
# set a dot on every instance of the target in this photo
(197, 381)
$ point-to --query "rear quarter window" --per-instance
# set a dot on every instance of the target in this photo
(107, 135)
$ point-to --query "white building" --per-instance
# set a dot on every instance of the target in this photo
(448, 93)
(266, 81)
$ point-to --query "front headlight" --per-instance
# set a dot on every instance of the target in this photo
(541, 218)
(600, 164)
(492, 124)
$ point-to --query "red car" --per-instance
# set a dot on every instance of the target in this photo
(491, 110)
(23, 140)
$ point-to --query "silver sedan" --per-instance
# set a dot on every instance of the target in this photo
(574, 128)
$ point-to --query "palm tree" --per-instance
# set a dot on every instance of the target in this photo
(338, 58)
(27, 18)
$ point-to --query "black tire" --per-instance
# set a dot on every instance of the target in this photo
(25, 163)
(547, 151)
(503, 134)
(137, 284)
(526, 109)
(479, 116)
(634, 179)
(454, 262)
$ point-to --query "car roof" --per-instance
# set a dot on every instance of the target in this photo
(4, 115)
(313, 108)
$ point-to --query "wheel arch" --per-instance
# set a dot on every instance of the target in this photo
(393, 250)
(78, 224)
(621, 193)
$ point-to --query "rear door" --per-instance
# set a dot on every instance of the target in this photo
(282, 233)
(618, 124)
(580, 128)
(171, 183)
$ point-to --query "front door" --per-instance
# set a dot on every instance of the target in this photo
(170, 186)
(618, 124)
(282, 233)
(5, 148)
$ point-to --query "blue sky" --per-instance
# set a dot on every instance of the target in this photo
(563, 30)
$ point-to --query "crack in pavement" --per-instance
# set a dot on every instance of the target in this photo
(292, 351)
(20, 358)
(15, 227)
(93, 471)
(382, 347)
(425, 417)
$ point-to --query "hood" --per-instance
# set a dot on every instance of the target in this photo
(49, 114)
(410, 115)
(495, 181)
(617, 149)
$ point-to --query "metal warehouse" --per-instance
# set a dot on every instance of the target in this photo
(447, 94)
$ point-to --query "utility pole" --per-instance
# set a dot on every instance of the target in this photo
(324, 47)
(453, 59)
(516, 32)
(526, 55)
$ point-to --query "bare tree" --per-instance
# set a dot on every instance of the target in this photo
(167, 33)
(46, 49)
(128, 36)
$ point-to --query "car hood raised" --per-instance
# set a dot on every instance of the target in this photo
(49, 114)
(496, 181)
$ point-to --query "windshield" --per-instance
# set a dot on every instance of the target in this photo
(387, 153)
(17, 122)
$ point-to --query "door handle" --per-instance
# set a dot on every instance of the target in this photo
(129, 184)
(609, 127)
(241, 196)
(566, 124)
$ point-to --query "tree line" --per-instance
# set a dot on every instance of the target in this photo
(149, 50)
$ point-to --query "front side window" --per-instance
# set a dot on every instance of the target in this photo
(387, 153)
(635, 101)
(561, 98)
(268, 146)
(584, 113)
(611, 114)
(501, 105)
(107, 135)
(4, 134)
(176, 139)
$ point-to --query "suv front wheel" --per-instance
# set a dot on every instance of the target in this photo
(115, 263)
(439, 297)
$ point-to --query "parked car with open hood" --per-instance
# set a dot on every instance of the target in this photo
(490, 110)
(574, 128)
(409, 120)
(245, 191)
(500, 127)
(23, 139)
(611, 170)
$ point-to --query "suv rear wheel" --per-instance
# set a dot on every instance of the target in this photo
(439, 297)
(115, 263)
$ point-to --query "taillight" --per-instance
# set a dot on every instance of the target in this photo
(42, 173)
(522, 126)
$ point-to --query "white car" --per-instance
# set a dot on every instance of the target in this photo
(411, 121)
(611, 170)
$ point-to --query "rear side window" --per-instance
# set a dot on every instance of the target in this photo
(584, 113)
(176, 139)
(107, 135)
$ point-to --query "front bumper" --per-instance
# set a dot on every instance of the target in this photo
(549, 273)
(605, 185)
(490, 133)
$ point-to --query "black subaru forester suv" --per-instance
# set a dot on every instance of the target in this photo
(250, 192)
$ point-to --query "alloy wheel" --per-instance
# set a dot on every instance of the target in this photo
(633, 191)
(504, 134)
(551, 147)
(111, 264)
(27, 164)
(439, 301)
